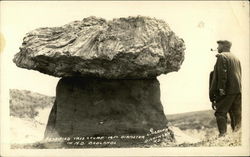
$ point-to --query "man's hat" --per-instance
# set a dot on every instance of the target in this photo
(225, 43)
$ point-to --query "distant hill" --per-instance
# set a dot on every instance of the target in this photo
(193, 120)
(24, 103)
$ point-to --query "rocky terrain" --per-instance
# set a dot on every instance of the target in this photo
(195, 129)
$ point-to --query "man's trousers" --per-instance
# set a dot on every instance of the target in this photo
(228, 104)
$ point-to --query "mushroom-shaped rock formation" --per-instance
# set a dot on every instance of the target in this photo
(108, 95)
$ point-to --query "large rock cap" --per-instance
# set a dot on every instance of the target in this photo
(133, 47)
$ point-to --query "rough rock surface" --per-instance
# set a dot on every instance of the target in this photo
(102, 107)
(133, 47)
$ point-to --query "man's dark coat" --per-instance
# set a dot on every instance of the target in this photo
(226, 76)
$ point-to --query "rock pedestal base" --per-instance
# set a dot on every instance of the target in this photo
(125, 112)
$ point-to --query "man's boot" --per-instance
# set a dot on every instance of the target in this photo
(237, 122)
(222, 125)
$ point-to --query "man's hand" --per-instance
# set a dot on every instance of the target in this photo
(214, 105)
(222, 92)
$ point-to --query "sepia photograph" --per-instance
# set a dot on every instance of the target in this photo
(124, 78)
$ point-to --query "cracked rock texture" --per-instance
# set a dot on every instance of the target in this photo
(133, 47)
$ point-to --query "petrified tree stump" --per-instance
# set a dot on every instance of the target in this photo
(87, 107)
(108, 69)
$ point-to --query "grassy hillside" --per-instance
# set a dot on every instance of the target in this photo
(193, 120)
(25, 103)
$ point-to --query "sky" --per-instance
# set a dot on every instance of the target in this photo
(199, 23)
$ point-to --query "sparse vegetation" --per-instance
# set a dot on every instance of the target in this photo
(27, 107)
(202, 125)
(193, 120)
(25, 104)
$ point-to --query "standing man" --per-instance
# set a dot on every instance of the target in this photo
(225, 88)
